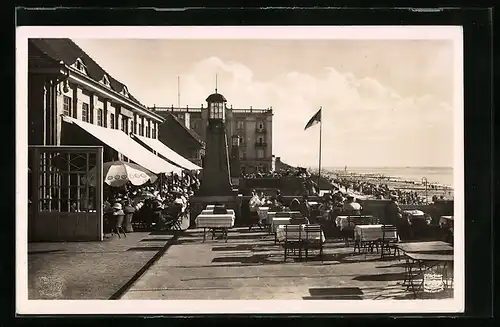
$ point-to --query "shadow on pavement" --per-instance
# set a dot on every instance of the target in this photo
(396, 265)
(381, 277)
(335, 291)
(253, 259)
(146, 248)
(188, 241)
(155, 240)
(322, 298)
(246, 247)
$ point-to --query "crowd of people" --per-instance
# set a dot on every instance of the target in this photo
(334, 203)
(159, 204)
(307, 186)
(290, 171)
(379, 190)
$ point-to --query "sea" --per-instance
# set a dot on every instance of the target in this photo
(435, 175)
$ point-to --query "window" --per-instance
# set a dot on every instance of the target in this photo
(242, 140)
(148, 134)
(112, 121)
(91, 115)
(216, 110)
(105, 80)
(261, 140)
(125, 125)
(99, 117)
(240, 124)
(134, 128)
(242, 154)
(141, 131)
(67, 106)
(85, 112)
(125, 91)
(194, 125)
(80, 66)
(153, 133)
(260, 153)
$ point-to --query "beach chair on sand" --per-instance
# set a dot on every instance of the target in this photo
(293, 240)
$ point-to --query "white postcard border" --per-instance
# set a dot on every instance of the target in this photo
(25, 306)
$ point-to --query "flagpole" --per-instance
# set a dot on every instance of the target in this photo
(319, 163)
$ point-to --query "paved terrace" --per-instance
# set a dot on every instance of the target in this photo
(178, 265)
(250, 267)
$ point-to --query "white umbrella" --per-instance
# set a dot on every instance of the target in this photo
(119, 173)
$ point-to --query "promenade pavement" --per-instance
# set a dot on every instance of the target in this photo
(89, 270)
(250, 267)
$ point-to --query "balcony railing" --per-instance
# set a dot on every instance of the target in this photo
(260, 130)
(261, 144)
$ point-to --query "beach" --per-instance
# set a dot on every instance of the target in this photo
(407, 179)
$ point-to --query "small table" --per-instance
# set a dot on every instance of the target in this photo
(214, 223)
(209, 212)
(342, 222)
(278, 221)
(417, 264)
(434, 247)
(280, 234)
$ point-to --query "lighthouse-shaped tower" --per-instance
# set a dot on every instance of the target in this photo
(216, 171)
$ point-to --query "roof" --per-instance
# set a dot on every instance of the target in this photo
(192, 133)
(216, 97)
(67, 51)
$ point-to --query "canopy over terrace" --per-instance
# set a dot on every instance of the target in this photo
(168, 153)
(122, 143)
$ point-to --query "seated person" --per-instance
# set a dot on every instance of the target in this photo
(279, 197)
(305, 209)
(351, 207)
(275, 206)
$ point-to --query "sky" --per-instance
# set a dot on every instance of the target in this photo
(385, 102)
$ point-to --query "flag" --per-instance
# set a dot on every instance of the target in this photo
(314, 120)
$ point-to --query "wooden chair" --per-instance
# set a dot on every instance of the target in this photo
(388, 242)
(313, 239)
(348, 232)
(293, 240)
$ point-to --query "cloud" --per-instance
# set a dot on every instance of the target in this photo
(364, 122)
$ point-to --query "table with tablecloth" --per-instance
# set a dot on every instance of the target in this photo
(216, 222)
(298, 232)
(417, 217)
(370, 233)
(210, 211)
(446, 221)
(262, 212)
(342, 222)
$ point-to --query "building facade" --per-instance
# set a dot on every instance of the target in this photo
(183, 140)
(65, 85)
(253, 126)
(64, 80)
